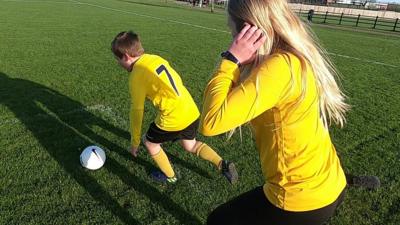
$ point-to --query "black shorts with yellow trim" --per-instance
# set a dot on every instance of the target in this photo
(156, 135)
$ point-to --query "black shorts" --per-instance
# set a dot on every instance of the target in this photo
(156, 135)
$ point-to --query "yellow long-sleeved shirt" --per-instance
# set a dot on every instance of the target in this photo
(299, 162)
(153, 78)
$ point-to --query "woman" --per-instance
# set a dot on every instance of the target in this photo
(276, 77)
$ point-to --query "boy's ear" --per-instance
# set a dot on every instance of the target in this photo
(125, 56)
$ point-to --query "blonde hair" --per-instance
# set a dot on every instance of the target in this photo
(286, 32)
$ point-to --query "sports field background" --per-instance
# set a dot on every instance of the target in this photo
(61, 90)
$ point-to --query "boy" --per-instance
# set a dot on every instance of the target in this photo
(153, 78)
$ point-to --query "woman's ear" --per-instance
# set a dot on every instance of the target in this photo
(236, 23)
(239, 24)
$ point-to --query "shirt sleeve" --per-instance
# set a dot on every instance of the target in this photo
(137, 90)
(225, 108)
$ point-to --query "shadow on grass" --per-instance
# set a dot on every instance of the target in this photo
(62, 133)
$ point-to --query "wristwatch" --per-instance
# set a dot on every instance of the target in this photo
(229, 56)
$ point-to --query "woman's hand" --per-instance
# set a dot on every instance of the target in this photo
(246, 44)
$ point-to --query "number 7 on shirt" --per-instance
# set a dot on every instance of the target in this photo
(162, 68)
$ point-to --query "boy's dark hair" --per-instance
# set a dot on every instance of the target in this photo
(126, 42)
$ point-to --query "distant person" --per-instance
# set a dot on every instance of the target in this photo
(151, 77)
(276, 77)
(310, 15)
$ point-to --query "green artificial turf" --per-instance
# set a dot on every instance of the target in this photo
(61, 90)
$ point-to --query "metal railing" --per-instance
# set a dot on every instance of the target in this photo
(378, 23)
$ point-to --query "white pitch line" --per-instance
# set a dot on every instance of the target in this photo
(364, 60)
(149, 16)
(23, 1)
(103, 109)
(206, 28)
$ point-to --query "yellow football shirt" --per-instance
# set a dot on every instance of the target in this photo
(299, 162)
(154, 79)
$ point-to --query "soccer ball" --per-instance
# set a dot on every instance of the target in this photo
(93, 158)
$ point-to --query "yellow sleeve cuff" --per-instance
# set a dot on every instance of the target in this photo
(230, 68)
(135, 143)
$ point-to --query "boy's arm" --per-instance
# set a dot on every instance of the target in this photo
(136, 118)
(138, 94)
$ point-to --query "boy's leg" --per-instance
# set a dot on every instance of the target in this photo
(189, 143)
(160, 158)
(202, 150)
(206, 152)
(153, 139)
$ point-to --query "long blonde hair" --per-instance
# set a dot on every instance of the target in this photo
(285, 31)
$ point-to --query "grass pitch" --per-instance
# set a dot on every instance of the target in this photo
(61, 90)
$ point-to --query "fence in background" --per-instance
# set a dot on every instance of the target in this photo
(378, 23)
